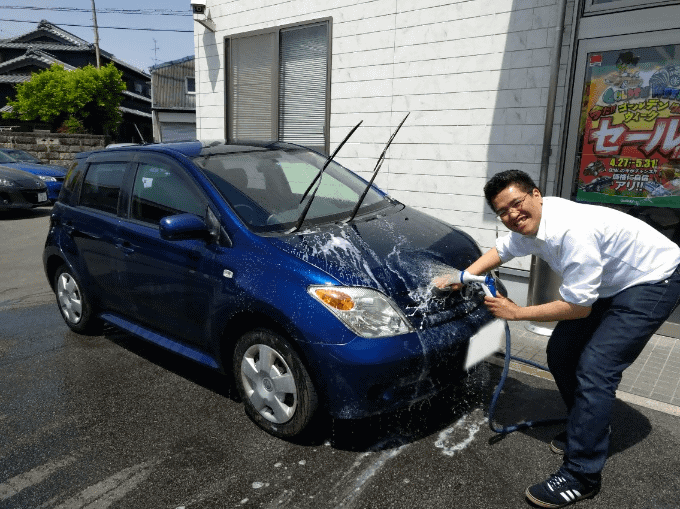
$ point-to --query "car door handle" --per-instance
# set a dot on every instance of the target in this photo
(69, 228)
(125, 247)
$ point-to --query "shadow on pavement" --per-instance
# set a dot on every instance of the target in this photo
(518, 402)
(13, 214)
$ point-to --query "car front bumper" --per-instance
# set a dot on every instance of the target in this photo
(364, 376)
(21, 199)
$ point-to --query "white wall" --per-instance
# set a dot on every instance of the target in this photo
(474, 74)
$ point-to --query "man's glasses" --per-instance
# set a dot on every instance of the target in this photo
(515, 205)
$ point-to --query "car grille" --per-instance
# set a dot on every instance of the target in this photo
(427, 309)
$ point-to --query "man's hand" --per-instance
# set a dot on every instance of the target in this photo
(502, 307)
(446, 282)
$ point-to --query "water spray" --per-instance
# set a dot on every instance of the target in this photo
(487, 348)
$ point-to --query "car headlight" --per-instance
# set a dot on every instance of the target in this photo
(366, 312)
(6, 182)
(46, 178)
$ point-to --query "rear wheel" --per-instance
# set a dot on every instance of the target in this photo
(273, 383)
(74, 304)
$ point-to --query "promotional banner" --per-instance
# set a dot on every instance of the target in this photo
(629, 132)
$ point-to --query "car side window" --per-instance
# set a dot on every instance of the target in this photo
(161, 190)
(101, 186)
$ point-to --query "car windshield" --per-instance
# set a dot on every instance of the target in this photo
(20, 155)
(265, 186)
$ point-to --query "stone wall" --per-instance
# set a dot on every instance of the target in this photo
(53, 148)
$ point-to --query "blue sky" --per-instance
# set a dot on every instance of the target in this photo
(136, 47)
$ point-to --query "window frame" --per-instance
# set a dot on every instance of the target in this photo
(229, 113)
(186, 85)
(591, 8)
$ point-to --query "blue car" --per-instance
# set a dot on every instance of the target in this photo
(245, 258)
(53, 176)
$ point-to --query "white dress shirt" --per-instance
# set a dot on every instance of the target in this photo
(597, 250)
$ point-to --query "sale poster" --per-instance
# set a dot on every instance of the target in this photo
(629, 131)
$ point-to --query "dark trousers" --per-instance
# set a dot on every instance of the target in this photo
(587, 358)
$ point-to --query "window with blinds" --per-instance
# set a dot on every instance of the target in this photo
(278, 84)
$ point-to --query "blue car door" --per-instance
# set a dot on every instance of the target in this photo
(172, 285)
(92, 229)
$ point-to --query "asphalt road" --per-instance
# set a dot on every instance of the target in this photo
(111, 421)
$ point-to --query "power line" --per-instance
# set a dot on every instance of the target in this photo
(105, 10)
(111, 28)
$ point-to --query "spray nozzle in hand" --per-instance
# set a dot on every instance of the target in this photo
(455, 279)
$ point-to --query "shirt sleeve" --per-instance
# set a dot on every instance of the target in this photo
(511, 246)
(581, 262)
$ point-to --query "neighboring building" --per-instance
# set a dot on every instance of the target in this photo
(47, 44)
(173, 100)
(476, 77)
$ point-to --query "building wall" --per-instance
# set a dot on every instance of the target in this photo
(474, 75)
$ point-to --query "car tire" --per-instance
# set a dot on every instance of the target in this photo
(274, 385)
(74, 304)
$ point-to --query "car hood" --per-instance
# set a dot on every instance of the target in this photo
(398, 254)
(38, 169)
(22, 178)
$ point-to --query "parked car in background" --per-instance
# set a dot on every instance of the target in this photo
(314, 302)
(20, 155)
(21, 190)
(52, 175)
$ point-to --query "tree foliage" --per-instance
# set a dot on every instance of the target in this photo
(82, 100)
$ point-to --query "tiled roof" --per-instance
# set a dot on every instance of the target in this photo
(134, 112)
(71, 43)
(46, 26)
(33, 55)
(14, 78)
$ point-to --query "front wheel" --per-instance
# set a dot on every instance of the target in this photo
(273, 383)
(74, 304)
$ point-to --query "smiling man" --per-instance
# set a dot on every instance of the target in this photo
(620, 282)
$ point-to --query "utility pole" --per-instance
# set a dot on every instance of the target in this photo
(96, 33)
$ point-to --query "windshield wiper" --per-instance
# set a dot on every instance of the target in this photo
(301, 219)
(375, 171)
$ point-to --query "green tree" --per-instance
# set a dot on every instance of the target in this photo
(82, 100)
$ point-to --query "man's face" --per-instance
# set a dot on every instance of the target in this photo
(520, 211)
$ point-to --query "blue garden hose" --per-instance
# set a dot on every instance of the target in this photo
(489, 286)
(504, 375)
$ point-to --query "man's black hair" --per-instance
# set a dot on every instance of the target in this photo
(503, 179)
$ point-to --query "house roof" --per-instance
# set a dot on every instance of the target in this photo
(47, 31)
(171, 62)
(31, 57)
(49, 37)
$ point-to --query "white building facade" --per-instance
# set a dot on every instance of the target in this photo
(479, 78)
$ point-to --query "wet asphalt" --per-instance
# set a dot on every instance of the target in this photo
(111, 421)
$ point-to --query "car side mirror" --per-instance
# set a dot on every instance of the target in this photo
(183, 227)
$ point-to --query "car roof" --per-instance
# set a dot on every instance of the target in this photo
(194, 148)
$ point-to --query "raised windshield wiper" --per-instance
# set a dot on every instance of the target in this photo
(318, 178)
(375, 172)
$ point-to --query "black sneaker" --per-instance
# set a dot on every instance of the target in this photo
(560, 490)
(559, 443)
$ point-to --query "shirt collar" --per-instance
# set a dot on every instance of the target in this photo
(541, 233)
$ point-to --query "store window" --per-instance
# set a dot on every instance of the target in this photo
(278, 85)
